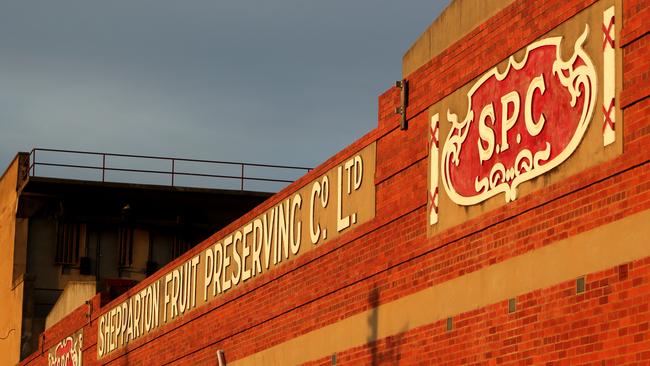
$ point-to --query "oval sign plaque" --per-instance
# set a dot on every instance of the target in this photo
(520, 123)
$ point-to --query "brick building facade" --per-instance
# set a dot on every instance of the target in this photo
(379, 255)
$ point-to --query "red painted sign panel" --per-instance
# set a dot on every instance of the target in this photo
(521, 122)
(67, 352)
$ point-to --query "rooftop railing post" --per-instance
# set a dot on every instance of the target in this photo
(103, 167)
(173, 163)
(242, 177)
(34, 164)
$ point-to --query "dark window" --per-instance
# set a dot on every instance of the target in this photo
(70, 237)
(125, 246)
(179, 246)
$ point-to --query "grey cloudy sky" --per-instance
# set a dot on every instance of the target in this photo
(283, 81)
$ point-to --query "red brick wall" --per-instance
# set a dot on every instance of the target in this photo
(605, 325)
(391, 257)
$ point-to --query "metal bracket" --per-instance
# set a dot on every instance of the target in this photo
(401, 110)
(89, 312)
(221, 357)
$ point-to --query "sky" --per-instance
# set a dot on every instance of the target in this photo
(280, 82)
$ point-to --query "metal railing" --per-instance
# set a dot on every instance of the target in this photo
(103, 166)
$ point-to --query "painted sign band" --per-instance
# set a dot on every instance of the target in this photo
(320, 211)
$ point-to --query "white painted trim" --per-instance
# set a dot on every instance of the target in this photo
(434, 167)
(609, 77)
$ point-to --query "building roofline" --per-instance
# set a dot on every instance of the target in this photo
(148, 187)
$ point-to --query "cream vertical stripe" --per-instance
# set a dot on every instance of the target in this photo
(609, 76)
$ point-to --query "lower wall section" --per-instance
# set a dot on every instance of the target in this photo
(605, 325)
(550, 322)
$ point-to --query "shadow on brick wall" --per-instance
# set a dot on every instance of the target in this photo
(389, 350)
